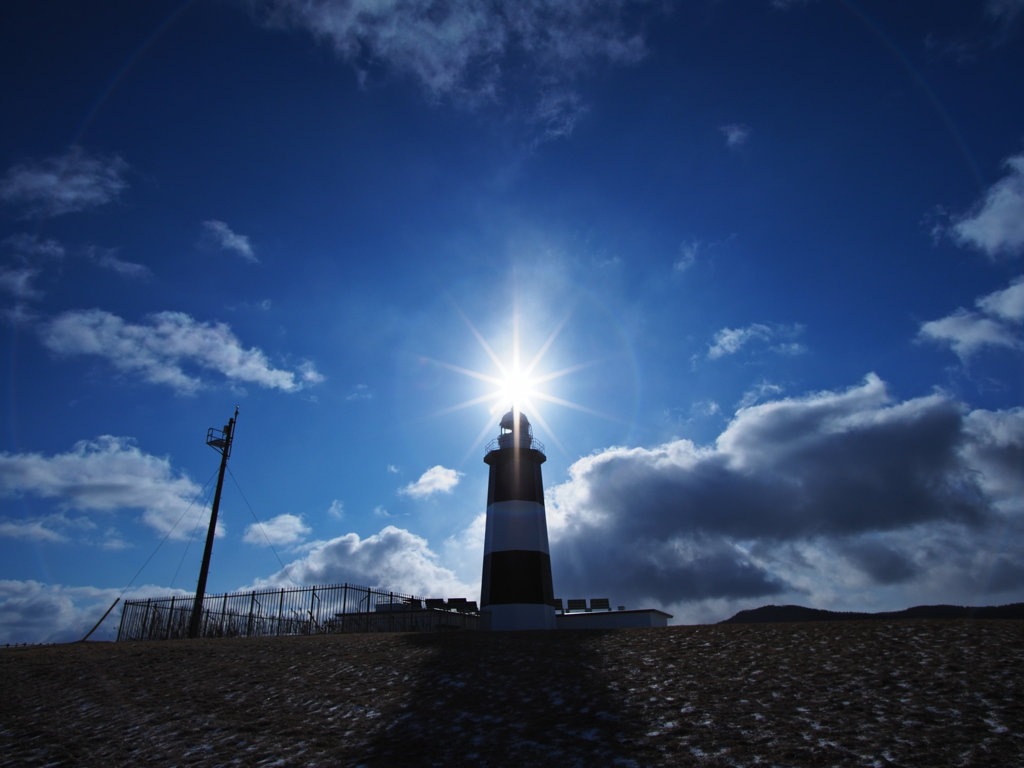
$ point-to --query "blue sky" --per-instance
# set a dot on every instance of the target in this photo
(770, 253)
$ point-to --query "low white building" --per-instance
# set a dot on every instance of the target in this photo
(645, 617)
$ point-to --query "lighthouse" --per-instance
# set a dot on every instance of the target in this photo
(516, 587)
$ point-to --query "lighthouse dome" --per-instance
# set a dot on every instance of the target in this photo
(508, 421)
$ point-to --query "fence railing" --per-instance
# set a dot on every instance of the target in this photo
(317, 610)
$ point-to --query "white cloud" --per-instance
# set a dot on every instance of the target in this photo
(106, 258)
(33, 530)
(464, 550)
(392, 559)
(105, 475)
(359, 392)
(705, 408)
(758, 393)
(557, 112)
(830, 497)
(160, 349)
(18, 282)
(728, 341)
(31, 248)
(219, 234)
(967, 333)
(1004, 10)
(736, 135)
(1007, 304)
(995, 225)
(435, 480)
(34, 612)
(473, 52)
(336, 510)
(392, 469)
(29, 253)
(281, 530)
(309, 374)
(19, 314)
(75, 181)
(113, 542)
(60, 528)
(687, 256)
(789, 348)
(731, 340)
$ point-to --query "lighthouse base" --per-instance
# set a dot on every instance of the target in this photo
(521, 616)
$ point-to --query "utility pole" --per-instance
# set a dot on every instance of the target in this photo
(220, 440)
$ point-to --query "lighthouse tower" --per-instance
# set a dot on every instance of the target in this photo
(516, 588)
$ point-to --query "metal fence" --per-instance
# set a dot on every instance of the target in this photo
(331, 609)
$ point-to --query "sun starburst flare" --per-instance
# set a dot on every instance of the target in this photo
(517, 387)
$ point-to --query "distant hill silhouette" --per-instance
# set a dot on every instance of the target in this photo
(775, 613)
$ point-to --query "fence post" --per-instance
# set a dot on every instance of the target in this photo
(252, 605)
(121, 626)
(312, 600)
(170, 621)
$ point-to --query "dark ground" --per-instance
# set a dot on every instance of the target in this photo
(922, 693)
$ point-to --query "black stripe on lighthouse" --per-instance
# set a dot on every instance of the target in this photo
(517, 576)
(515, 475)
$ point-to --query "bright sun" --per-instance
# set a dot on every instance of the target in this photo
(516, 386)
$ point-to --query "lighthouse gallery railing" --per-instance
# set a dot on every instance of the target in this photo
(497, 443)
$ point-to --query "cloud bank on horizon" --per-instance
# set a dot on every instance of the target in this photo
(847, 488)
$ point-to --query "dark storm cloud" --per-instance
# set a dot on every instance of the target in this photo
(836, 471)
(664, 571)
(1007, 574)
(995, 450)
(831, 464)
(882, 563)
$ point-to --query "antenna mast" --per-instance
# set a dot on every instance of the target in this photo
(220, 440)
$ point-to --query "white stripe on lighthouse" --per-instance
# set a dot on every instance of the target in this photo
(516, 525)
